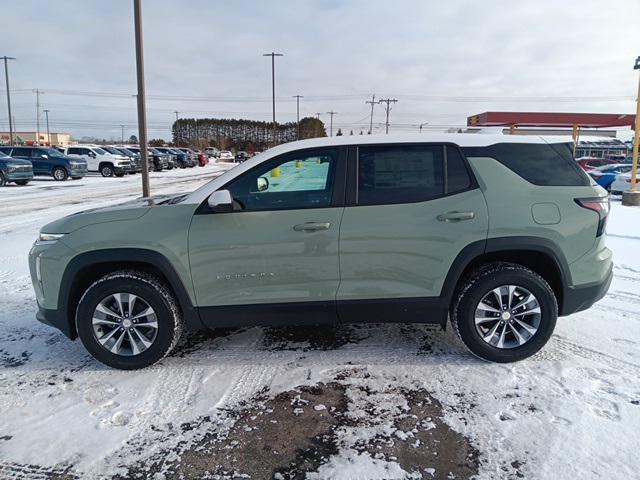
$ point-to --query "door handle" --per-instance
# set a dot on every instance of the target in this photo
(455, 216)
(312, 226)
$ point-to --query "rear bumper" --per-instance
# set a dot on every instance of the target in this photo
(577, 299)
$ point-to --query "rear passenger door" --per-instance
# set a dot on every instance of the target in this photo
(411, 209)
(24, 153)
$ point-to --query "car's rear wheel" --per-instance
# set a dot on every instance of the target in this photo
(129, 320)
(504, 312)
(60, 174)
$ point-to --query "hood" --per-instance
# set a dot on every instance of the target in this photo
(14, 161)
(131, 210)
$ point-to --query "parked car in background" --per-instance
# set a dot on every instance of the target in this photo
(14, 170)
(212, 152)
(622, 183)
(182, 160)
(500, 275)
(188, 160)
(242, 156)
(170, 158)
(49, 162)
(587, 163)
(133, 156)
(606, 175)
(226, 156)
(99, 160)
(134, 161)
(157, 162)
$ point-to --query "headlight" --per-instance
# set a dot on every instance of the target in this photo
(11, 168)
(50, 237)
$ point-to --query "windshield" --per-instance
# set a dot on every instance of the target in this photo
(99, 151)
(4, 155)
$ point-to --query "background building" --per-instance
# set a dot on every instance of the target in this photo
(29, 138)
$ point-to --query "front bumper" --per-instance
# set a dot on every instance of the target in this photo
(17, 176)
(118, 169)
(577, 299)
(77, 172)
(57, 319)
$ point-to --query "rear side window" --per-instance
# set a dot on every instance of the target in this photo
(400, 174)
(458, 178)
(538, 163)
(73, 150)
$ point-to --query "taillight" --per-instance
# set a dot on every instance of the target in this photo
(600, 205)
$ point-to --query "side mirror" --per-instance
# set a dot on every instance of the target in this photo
(263, 184)
(44, 155)
(221, 201)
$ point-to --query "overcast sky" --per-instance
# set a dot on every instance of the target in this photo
(430, 55)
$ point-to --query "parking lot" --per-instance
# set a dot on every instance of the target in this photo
(296, 402)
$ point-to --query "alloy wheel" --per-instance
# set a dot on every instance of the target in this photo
(125, 324)
(507, 316)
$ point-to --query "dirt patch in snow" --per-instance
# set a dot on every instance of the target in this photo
(298, 431)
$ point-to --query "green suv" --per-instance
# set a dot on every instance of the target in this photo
(499, 234)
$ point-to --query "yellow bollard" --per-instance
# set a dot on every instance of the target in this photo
(275, 172)
(318, 161)
(299, 164)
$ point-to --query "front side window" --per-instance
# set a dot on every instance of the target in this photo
(400, 174)
(295, 181)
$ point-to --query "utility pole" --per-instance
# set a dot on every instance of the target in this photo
(177, 115)
(422, 124)
(46, 112)
(318, 115)
(298, 97)
(388, 101)
(6, 79)
(372, 102)
(332, 113)
(37, 92)
(632, 196)
(273, 56)
(142, 113)
(122, 135)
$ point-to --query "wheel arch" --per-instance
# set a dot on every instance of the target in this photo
(538, 254)
(88, 267)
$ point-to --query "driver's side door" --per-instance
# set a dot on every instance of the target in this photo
(274, 259)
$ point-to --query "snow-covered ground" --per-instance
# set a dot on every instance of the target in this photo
(373, 401)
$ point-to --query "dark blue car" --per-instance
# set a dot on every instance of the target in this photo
(14, 170)
(49, 162)
(605, 175)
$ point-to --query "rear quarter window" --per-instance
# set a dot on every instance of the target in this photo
(539, 163)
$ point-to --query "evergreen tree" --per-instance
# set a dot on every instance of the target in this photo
(133, 139)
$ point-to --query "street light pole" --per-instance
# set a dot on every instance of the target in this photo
(142, 114)
(298, 97)
(46, 113)
(632, 197)
(6, 79)
(122, 135)
(421, 125)
(273, 56)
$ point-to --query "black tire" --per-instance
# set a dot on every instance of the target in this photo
(477, 285)
(22, 183)
(106, 170)
(3, 182)
(60, 174)
(155, 293)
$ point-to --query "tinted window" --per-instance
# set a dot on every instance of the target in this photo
(73, 150)
(400, 174)
(20, 152)
(541, 164)
(302, 180)
(458, 178)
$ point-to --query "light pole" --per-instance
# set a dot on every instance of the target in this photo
(142, 113)
(298, 97)
(332, 113)
(422, 124)
(632, 197)
(6, 79)
(122, 135)
(273, 56)
(372, 102)
(46, 114)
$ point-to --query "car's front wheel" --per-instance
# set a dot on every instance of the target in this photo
(60, 174)
(106, 171)
(504, 312)
(3, 182)
(129, 320)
